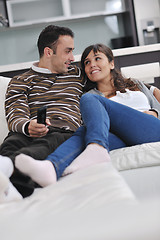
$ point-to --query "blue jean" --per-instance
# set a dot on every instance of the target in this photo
(110, 124)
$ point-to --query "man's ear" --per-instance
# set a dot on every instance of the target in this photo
(48, 52)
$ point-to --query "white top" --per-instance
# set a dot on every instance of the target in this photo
(40, 70)
(152, 88)
(133, 99)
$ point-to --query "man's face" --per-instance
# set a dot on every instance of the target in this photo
(63, 57)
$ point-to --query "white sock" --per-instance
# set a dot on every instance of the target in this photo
(42, 172)
(8, 192)
(4, 184)
(6, 166)
(93, 154)
(12, 193)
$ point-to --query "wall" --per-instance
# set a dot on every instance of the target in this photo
(19, 44)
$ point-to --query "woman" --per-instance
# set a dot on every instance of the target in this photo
(117, 112)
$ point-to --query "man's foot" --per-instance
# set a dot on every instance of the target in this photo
(4, 184)
(8, 192)
(6, 166)
(40, 171)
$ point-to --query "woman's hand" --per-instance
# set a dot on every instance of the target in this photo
(37, 129)
(156, 93)
(153, 113)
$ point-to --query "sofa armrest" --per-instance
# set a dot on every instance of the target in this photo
(3, 124)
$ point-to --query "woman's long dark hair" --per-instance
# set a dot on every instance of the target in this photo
(119, 82)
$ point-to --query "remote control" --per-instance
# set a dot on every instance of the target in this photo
(41, 115)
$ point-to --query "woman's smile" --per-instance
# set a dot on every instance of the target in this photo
(95, 71)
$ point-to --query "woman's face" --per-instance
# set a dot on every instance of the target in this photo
(97, 67)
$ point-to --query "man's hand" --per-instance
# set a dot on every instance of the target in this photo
(37, 129)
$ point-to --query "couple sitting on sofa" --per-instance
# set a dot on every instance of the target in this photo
(115, 112)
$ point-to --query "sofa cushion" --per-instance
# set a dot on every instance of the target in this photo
(143, 155)
(3, 124)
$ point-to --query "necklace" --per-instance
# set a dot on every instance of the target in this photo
(109, 95)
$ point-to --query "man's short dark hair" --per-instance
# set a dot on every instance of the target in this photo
(49, 37)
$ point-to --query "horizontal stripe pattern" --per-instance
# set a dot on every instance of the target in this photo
(31, 90)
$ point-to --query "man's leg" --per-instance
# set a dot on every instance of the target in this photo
(13, 143)
(37, 148)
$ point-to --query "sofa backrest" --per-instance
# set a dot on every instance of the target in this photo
(144, 72)
(3, 124)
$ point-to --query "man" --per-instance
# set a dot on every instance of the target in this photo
(52, 82)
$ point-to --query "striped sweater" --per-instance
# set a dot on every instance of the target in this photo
(59, 92)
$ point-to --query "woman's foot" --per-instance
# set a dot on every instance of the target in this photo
(93, 154)
(40, 171)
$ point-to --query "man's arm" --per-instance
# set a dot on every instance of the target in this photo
(18, 110)
(16, 105)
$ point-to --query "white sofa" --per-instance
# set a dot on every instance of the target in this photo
(139, 165)
(94, 203)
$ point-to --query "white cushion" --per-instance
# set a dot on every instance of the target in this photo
(91, 187)
(144, 155)
(3, 124)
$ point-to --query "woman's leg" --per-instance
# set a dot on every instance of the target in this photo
(68, 151)
(95, 119)
(131, 126)
(43, 172)
(97, 136)
(115, 142)
(97, 126)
